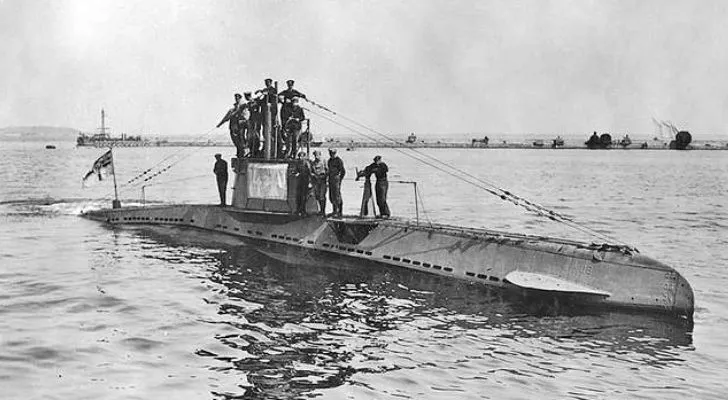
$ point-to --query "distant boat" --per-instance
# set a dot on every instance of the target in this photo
(480, 142)
(50, 146)
(682, 141)
(599, 142)
(626, 141)
(104, 139)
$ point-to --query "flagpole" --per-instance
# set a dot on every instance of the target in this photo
(116, 203)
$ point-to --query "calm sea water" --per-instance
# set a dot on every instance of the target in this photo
(90, 312)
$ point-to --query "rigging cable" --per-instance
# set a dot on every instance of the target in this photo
(137, 180)
(194, 140)
(468, 178)
(513, 197)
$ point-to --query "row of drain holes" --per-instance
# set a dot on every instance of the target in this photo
(349, 249)
(150, 219)
(415, 262)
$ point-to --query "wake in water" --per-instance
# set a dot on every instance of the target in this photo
(49, 206)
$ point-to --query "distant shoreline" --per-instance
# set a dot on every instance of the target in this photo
(699, 145)
(352, 145)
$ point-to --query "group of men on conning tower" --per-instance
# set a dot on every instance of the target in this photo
(246, 120)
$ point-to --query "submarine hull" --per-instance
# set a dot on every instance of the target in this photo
(602, 275)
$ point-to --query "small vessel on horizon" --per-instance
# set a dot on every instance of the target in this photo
(104, 139)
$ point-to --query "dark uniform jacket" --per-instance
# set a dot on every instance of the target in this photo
(270, 94)
(303, 168)
(297, 113)
(336, 167)
(235, 116)
(221, 169)
(288, 96)
(379, 170)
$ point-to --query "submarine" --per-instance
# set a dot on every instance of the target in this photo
(263, 213)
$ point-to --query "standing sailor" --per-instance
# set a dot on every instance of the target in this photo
(235, 118)
(367, 194)
(336, 175)
(292, 127)
(303, 171)
(221, 173)
(286, 99)
(270, 96)
(379, 169)
(253, 137)
(319, 172)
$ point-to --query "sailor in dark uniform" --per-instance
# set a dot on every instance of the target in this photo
(286, 99)
(253, 135)
(336, 175)
(303, 171)
(270, 96)
(292, 128)
(236, 119)
(379, 169)
(221, 173)
(319, 173)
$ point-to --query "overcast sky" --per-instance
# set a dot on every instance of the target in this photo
(171, 67)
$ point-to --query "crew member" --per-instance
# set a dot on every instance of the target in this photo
(336, 175)
(303, 172)
(286, 99)
(235, 118)
(221, 173)
(253, 136)
(379, 169)
(292, 127)
(319, 172)
(270, 96)
(367, 194)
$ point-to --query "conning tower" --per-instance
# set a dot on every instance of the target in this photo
(270, 184)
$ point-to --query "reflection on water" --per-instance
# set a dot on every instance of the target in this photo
(293, 329)
(88, 312)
